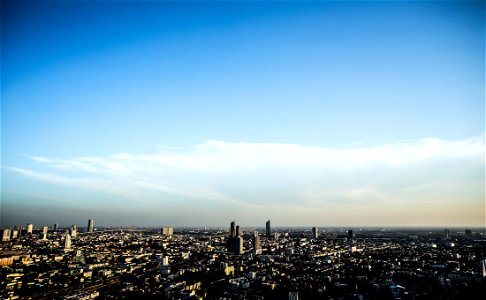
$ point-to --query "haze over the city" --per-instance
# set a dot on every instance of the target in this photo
(198, 113)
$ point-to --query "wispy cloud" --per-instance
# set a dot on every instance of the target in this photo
(263, 174)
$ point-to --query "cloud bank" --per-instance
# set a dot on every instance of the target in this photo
(430, 179)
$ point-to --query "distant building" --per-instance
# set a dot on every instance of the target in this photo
(351, 234)
(293, 296)
(446, 233)
(167, 230)
(44, 232)
(56, 227)
(67, 241)
(232, 229)
(482, 266)
(19, 228)
(73, 231)
(315, 233)
(90, 225)
(235, 242)
(468, 232)
(268, 231)
(257, 246)
(30, 228)
(14, 233)
(5, 234)
(164, 266)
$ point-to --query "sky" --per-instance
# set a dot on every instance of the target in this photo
(199, 113)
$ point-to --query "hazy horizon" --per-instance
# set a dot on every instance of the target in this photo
(191, 113)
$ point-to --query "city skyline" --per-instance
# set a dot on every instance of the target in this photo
(193, 113)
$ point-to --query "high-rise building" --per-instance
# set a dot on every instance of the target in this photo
(44, 232)
(232, 229)
(164, 266)
(351, 234)
(268, 230)
(67, 241)
(30, 228)
(20, 228)
(90, 225)
(446, 233)
(5, 234)
(56, 227)
(235, 242)
(257, 246)
(315, 233)
(293, 295)
(167, 230)
(15, 233)
(73, 231)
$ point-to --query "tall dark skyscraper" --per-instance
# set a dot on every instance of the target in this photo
(56, 227)
(90, 225)
(315, 233)
(232, 229)
(350, 234)
(268, 232)
(235, 240)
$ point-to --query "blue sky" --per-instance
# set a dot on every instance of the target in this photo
(197, 113)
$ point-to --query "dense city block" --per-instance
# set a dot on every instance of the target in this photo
(239, 263)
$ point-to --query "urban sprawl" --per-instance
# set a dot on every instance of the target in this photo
(241, 263)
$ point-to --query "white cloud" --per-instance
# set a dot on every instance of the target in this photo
(259, 175)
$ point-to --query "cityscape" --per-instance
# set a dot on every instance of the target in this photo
(242, 150)
(241, 263)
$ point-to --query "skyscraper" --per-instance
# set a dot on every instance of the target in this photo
(232, 229)
(167, 230)
(235, 240)
(15, 233)
(67, 241)
(269, 230)
(73, 231)
(30, 228)
(5, 234)
(44, 232)
(350, 234)
(20, 228)
(90, 225)
(315, 233)
(257, 247)
(446, 233)
(56, 227)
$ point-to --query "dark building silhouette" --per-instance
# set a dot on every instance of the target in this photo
(351, 234)
(268, 230)
(446, 233)
(90, 225)
(315, 233)
(235, 240)
(232, 229)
